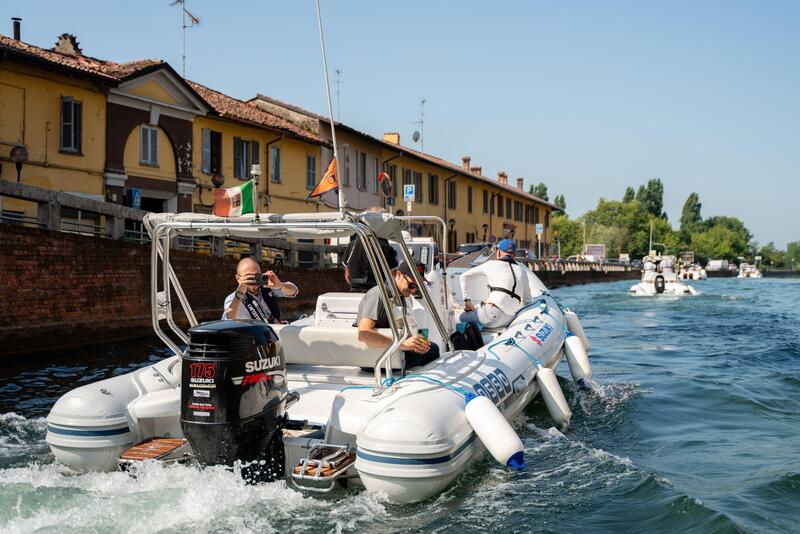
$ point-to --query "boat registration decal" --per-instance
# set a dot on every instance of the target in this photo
(495, 386)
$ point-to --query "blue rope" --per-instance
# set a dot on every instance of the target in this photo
(389, 382)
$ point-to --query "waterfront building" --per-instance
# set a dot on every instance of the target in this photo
(138, 134)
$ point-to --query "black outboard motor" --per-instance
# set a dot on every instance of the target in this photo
(233, 397)
(660, 284)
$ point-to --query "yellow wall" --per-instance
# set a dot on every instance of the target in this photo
(165, 170)
(288, 195)
(466, 222)
(152, 90)
(31, 98)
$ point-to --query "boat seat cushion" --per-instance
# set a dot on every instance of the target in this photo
(320, 345)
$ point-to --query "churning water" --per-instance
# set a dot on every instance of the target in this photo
(695, 426)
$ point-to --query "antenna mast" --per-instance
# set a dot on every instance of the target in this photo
(421, 123)
(192, 21)
(340, 191)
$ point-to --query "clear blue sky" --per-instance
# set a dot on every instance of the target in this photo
(588, 97)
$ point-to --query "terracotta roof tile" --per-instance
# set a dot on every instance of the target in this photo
(108, 70)
(235, 109)
(416, 153)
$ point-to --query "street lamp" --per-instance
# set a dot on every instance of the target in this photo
(19, 155)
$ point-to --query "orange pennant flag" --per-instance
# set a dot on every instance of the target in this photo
(327, 183)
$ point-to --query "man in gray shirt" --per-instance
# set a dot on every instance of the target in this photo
(372, 315)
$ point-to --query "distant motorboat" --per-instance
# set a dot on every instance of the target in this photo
(659, 278)
(693, 272)
(749, 271)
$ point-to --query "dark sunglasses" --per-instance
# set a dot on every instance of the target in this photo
(411, 285)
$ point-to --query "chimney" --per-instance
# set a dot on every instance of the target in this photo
(67, 44)
(502, 177)
(17, 28)
(465, 162)
(476, 170)
(521, 184)
(392, 137)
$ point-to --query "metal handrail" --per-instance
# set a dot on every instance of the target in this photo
(374, 255)
(434, 218)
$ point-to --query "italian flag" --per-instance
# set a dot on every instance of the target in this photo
(234, 201)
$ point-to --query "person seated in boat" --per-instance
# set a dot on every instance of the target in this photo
(357, 270)
(372, 315)
(667, 265)
(509, 289)
(254, 300)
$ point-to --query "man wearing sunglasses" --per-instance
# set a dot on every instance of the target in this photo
(372, 316)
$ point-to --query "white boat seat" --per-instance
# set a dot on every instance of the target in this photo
(310, 344)
(337, 309)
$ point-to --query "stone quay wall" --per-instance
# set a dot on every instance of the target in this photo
(62, 291)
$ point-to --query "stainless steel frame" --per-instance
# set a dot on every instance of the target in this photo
(162, 233)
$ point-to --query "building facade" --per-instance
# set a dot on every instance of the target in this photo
(139, 134)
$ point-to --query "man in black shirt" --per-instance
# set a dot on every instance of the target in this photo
(357, 270)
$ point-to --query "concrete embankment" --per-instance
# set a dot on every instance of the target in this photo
(64, 291)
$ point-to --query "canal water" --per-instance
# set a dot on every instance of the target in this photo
(694, 427)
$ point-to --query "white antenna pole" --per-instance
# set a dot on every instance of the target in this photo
(651, 236)
(422, 124)
(183, 34)
(340, 198)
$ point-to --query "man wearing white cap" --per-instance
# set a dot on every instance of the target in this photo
(508, 289)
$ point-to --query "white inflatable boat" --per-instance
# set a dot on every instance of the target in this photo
(346, 414)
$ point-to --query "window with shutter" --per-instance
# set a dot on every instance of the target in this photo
(149, 145)
(311, 171)
(256, 153)
(469, 199)
(241, 158)
(485, 202)
(215, 161)
(373, 173)
(237, 158)
(500, 205)
(418, 187)
(433, 189)
(346, 162)
(508, 208)
(70, 125)
(275, 164)
(205, 150)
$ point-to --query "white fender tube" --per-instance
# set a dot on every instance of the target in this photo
(576, 327)
(553, 396)
(578, 360)
(496, 434)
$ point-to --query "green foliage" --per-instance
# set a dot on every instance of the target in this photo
(539, 190)
(570, 234)
(630, 195)
(690, 216)
(560, 201)
(792, 257)
(651, 197)
(772, 257)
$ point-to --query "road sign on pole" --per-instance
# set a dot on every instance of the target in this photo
(408, 192)
(539, 228)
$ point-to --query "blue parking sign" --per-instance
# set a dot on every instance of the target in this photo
(408, 192)
(136, 198)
